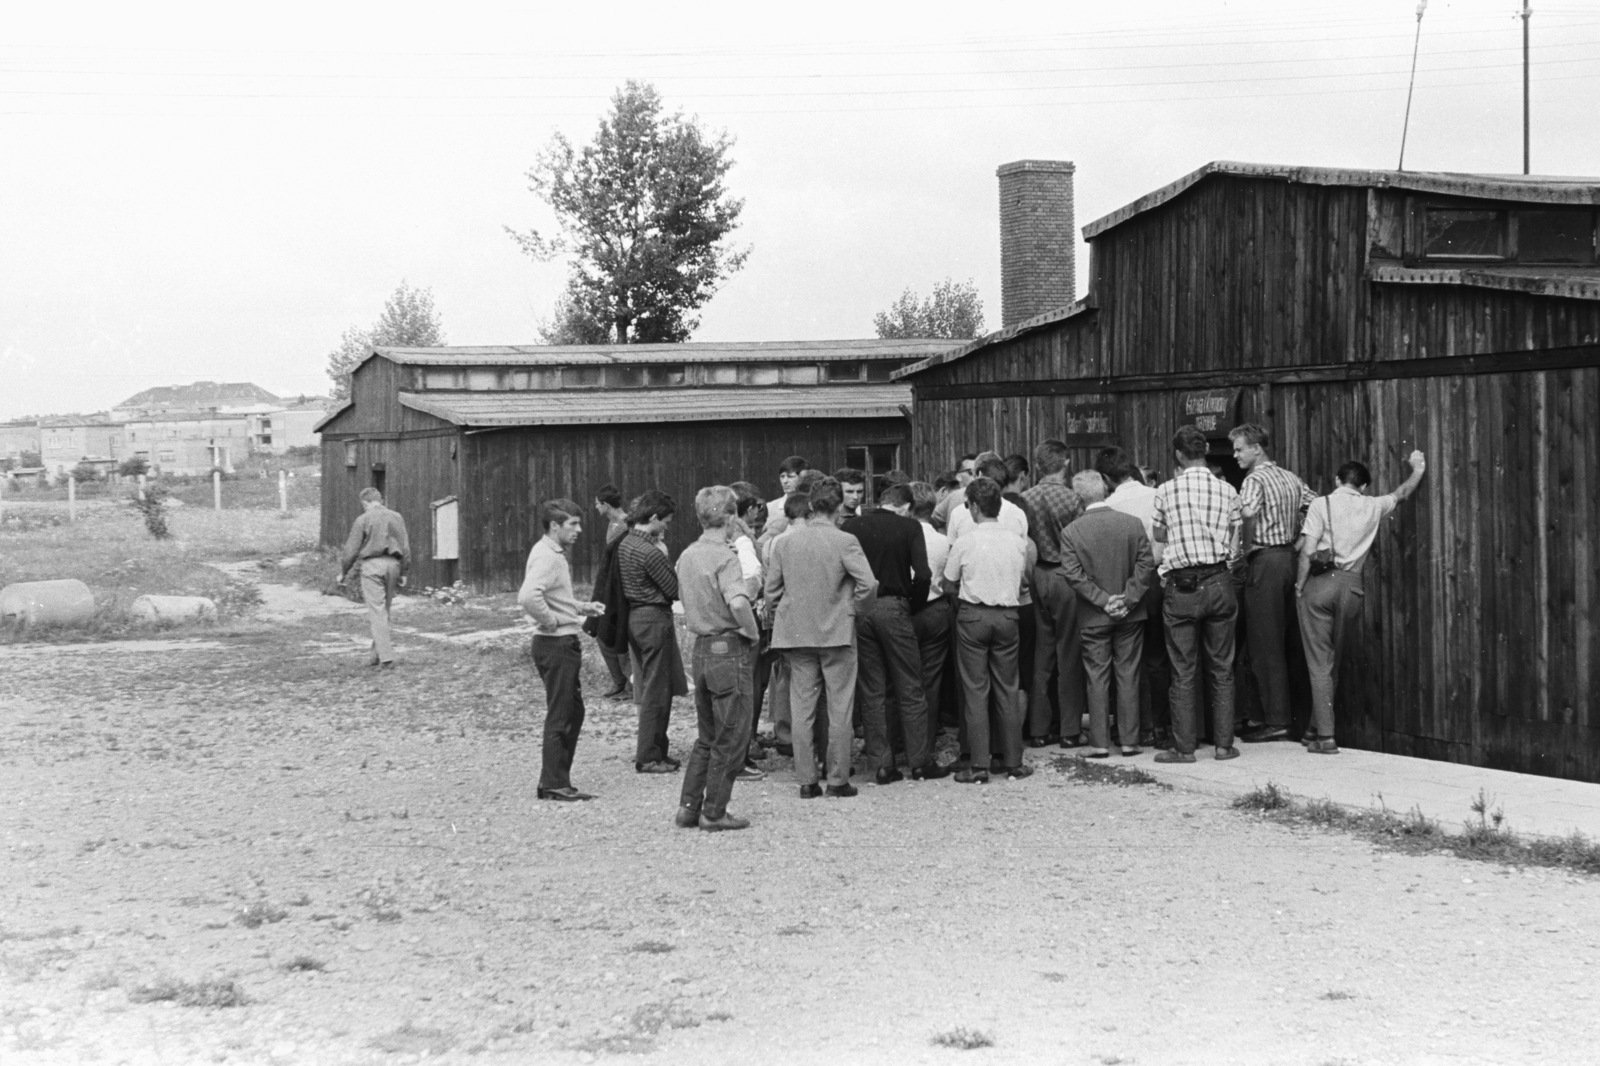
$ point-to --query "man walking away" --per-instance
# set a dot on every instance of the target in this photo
(1106, 558)
(1273, 502)
(1342, 524)
(1132, 495)
(547, 596)
(933, 622)
(1197, 517)
(608, 505)
(716, 606)
(378, 545)
(817, 581)
(886, 637)
(650, 586)
(1054, 507)
(989, 566)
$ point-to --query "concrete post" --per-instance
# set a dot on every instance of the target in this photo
(141, 488)
(216, 489)
(283, 491)
(72, 498)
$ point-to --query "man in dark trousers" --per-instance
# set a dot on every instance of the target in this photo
(557, 614)
(378, 546)
(608, 505)
(1197, 518)
(716, 606)
(886, 640)
(1273, 502)
(1106, 558)
(818, 580)
(650, 586)
(1053, 507)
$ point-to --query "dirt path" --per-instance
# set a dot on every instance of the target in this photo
(383, 828)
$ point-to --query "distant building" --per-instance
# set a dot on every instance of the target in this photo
(67, 441)
(203, 396)
(18, 439)
(187, 444)
(292, 425)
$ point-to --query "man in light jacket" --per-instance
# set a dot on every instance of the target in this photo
(818, 579)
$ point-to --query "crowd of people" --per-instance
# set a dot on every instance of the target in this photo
(1016, 603)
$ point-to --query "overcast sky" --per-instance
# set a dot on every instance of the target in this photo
(190, 192)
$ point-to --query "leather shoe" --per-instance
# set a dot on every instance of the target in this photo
(844, 791)
(1264, 734)
(660, 766)
(563, 795)
(670, 761)
(1074, 741)
(997, 765)
(726, 822)
(749, 772)
(1044, 741)
(1223, 754)
(970, 776)
(687, 817)
(810, 792)
(932, 772)
(1174, 756)
(1017, 773)
(888, 776)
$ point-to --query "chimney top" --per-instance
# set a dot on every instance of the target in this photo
(1052, 166)
(1038, 241)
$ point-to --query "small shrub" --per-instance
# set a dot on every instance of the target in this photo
(1268, 797)
(154, 509)
(304, 963)
(963, 1039)
(260, 913)
(206, 993)
(1336, 995)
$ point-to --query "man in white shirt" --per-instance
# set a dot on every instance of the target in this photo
(1011, 516)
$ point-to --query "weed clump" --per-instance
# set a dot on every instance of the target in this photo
(1268, 797)
(1099, 773)
(260, 913)
(304, 964)
(652, 947)
(205, 993)
(963, 1039)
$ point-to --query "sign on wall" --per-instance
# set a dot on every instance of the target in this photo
(1085, 416)
(1212, 411)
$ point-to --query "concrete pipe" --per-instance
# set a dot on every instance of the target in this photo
(173, 609)
(33, 603)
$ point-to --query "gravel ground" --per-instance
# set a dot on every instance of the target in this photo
(362, 856)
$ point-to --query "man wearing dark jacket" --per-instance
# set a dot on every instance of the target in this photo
(1106, 558)
(650, 585)
(886, 642)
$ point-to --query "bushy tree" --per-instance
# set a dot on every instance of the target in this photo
(409, 320)
(133, 466)
(953, 310)
(645, 217)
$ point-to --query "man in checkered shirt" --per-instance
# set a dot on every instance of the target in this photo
(1198, 518)
(1274, 502)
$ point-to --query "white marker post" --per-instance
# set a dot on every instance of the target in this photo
(72, 498)
(141, 488)
(216, 489)
(283, 492)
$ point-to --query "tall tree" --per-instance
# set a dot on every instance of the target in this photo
(645, 217)
(953, 310)
(408, 321)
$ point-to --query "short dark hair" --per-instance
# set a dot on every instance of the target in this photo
(897, 477)
(558, 511)
(808, 477)
(1190, 443)
(1252, 434)
(1050, 457)
(609, 495)
(1354, 474)
(849, 475)
(747, 495)
(796, 506)
(826, 497)
(1114, 465)
(923, 499)
(984, 493)
(995, 470)
(793, 465)
(650, 506)
(950, 479)
(895, 494)
(973, 456)
(1016, 466)
(370, 495)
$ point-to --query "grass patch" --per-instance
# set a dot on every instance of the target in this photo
(260, 913)
(1104, 773)
(210, 992)
(1485, 837)
(1337, 995)
(653, 947)
(413, 1040)
(101, 980)
(963, 1039)
(305, 964)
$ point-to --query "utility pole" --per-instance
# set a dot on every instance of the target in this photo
(1526, 11)
(1406, 127)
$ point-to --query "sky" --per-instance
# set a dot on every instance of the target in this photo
(210, 192)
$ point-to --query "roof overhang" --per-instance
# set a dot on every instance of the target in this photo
(687, 352)
(333, 412)
(1049, 318)
(602, 407)
(1539, 282)
(1513, 187)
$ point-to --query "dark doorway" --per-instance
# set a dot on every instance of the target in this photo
(379, 479)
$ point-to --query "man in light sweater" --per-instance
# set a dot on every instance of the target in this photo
(557, 613)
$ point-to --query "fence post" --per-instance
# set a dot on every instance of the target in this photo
(141, 488)
(216, 489)
(72, 498)
(283, 491)
(5, 479)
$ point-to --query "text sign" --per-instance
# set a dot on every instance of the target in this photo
(1085, 416)
(1212, 411)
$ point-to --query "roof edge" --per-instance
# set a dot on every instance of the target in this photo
(1060, 314)
(1533, 189)
(1560, 285)
(335, 412)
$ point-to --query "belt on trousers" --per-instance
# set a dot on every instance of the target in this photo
(1043, 564)
(649, 606)
(1272, 548)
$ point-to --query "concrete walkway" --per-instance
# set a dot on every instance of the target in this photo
(1443, 791)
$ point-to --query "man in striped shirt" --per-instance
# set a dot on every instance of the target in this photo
(1197, 518)
(1273, 502)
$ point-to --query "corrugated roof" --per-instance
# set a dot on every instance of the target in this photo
(688, 352)
(1077, 307)
(1537, 280)
(1528, 188)
(568, 407)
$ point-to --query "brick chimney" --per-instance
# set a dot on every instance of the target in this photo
(1038, 241)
